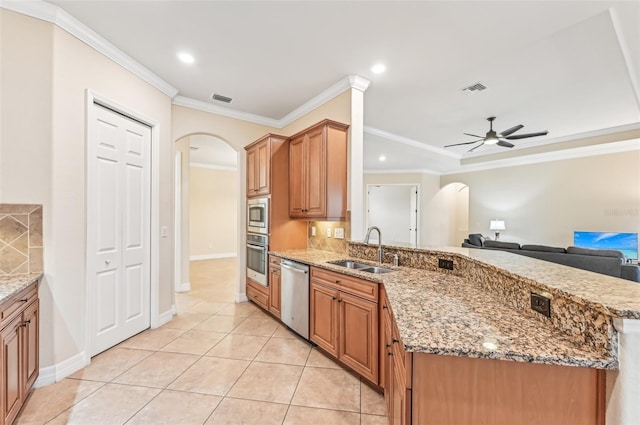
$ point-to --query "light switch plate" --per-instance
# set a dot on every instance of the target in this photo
(313, 230)
(338, 233)
(329, 232)
(164, 232)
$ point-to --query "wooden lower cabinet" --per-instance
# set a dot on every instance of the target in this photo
(430, 389)
(275, 295)
(19, 362)
(258, 294)
(345, 326)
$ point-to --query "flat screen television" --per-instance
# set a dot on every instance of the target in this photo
(625, 242)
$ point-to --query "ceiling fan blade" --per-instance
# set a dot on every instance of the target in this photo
(473, 135)
(475, 147)
(465, 143)
(524, 136)
(511, 130)
(505, 144)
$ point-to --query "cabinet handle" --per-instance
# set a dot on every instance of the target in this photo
(334, 298)
(390, 354)
(24, 300)
(385, 307)
(395, 341)
(339, 301)
(337, 280)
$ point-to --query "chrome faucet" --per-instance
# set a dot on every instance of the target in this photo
(366, 241)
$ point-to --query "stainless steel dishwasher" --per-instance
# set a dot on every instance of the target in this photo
(295, 296)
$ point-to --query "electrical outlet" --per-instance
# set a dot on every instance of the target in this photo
(329, 232)
(445, 264)
(313, 230)
(164, 232)
(338, 233)
(541, 304)
(210, 245)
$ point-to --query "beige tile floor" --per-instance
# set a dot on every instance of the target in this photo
(215, 363)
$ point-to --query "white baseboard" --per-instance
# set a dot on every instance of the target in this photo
(240, 298)
(51, 374)
(166, 316)
(213, 256)
(184, 287)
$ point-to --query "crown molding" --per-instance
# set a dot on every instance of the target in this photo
(349, 82)
(352, 81)
(402, 171)
(212, 166)
(584, 151)
(199, 105)
(410, 142)
(358, 83)
(51, 13)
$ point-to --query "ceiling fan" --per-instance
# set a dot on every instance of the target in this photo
(500, 139)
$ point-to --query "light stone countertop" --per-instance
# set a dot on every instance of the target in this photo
(440, 313)
(12, 284)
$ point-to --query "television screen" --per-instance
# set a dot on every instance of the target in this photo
(625, 242)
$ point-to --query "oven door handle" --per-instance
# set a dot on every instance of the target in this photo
(257, 247)
(293, 269)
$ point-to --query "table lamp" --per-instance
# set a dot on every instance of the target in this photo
(497, 225)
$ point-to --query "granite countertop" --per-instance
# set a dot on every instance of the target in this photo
(12, 284)
(440, 313)
(620, 297)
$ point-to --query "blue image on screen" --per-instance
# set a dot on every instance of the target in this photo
(625, 242)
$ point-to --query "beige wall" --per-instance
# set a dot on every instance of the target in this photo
(43, 161)
(544, 203)
(182, 146)
(438, 218)
(213, 198)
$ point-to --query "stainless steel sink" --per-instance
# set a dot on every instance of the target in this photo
(376, 270)
(351, 264)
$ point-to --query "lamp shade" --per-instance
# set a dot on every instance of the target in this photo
(497, 225)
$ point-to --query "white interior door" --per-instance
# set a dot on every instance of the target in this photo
(118, 227)
(393, 209)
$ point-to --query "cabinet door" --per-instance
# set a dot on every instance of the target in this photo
(323, 319)
(359, 335)
(316, 179)
(263, 173)
(252, 171)
(275, 294)
(11, 377)
(297, 148)
(31, 331)
(401, 398)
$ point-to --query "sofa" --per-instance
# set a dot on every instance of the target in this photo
(604, 261)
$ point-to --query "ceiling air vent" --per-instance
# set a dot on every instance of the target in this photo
(474, 88)
(221, 98)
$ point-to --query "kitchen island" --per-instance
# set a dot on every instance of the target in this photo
(481, 310)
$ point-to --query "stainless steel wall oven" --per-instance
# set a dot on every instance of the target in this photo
(257, 248)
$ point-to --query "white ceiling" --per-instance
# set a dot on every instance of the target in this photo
(570, 67)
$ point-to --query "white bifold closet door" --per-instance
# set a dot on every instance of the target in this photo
(118, 227)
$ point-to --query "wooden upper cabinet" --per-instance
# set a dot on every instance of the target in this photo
(318, 172)
(259, 166)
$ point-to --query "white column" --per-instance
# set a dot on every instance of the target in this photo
(355, 202)
(623, 385)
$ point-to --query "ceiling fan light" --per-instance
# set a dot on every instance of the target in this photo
(491, 140)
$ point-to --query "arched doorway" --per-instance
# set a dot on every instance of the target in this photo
(206, 207)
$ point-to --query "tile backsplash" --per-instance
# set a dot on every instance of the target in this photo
(20, 239)
(325, 243)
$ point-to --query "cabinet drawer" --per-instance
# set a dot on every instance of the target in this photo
(14, 306)
(257, 296)
(351, 285)
(274, 261)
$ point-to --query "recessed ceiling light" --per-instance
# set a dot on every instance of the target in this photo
(378, 68)
(186, 57)
(382, 158)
